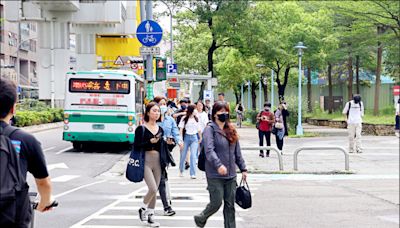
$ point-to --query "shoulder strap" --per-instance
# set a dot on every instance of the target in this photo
(9, 130)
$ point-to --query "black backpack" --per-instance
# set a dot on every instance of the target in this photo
(348, 110)
(13, 187)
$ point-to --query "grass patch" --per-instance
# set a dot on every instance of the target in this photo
(305, 135)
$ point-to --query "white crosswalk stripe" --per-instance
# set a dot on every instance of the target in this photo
(189, 197)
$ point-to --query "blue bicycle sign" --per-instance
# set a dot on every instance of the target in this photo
(149, 33)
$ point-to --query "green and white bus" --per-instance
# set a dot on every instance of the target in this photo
(102, 106)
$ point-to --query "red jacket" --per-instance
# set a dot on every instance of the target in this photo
(266, 125)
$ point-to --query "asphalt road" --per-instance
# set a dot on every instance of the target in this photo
(93, 193)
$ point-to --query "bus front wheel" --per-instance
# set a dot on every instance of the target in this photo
(77, 145)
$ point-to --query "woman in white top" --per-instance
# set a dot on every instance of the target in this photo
(191, 132)
(202, 115)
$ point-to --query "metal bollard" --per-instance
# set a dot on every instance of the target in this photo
(346, 155)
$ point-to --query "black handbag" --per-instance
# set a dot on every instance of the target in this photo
(243, 195)
(135, 167)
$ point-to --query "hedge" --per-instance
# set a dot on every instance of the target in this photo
(28, 118)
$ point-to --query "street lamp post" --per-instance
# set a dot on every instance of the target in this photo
(260, 86)
(299, 129)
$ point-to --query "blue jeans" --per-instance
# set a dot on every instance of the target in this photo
(191, 141)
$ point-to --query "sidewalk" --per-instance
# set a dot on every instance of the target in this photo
(380, 153)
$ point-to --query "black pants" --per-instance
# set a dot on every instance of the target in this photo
(162, 189)
(279, 143)
(267, 135)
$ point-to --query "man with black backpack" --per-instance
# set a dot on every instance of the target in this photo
(20, 152)
(354, 111)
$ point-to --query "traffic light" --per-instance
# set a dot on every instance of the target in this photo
(161, 69)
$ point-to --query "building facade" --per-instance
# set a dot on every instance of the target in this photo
(67, 32)
(19, 53)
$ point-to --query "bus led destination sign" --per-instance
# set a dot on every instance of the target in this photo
(99, 86)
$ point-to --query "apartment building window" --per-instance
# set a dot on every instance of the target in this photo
(32, 45)
(12, 39)
(13, 61)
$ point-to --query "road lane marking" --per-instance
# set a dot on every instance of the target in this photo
(135, 208)
(318, 177)
(390, 218)
(108, 226)
(50, 148)
(104, 209)
(57, 166)
(78, 188)
(64, 178)
(179, 218)
(64, 150)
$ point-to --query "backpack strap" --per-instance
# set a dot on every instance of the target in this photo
(8, 130)
(14, 158)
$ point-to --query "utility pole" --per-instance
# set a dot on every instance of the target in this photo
(149, 60)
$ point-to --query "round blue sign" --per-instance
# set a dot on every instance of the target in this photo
(149, 33)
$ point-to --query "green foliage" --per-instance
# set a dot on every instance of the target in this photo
(28, 118)
(252, 114)
(292, 107)
(32, 105)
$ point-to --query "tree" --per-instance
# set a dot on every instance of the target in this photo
(221, 18)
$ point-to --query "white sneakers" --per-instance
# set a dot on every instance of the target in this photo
(193, 177)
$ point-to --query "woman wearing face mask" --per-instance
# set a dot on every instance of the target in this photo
(190, 130)
(281, 115)
(171, 134)
(223, 154)
(267, 119)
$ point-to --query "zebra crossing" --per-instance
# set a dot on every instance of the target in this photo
(189, 197)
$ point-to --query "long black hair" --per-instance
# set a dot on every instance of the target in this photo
(189, 112)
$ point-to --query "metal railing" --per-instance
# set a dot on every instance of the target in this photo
(346, 155)
(266, 148)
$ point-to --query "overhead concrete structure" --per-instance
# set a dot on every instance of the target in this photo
(62, 23)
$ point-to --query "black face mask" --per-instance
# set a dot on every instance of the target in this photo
(223, 117)
(183, 107)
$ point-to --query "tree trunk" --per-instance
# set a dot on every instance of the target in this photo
(330, 99)
(282, 87)
(210, 55)
(253, 95)
(378, 73)
(309, 92)
(237, 96)
(358, 74)
(350, 71)
(265, 89)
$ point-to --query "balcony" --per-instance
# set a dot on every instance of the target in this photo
(65, 6)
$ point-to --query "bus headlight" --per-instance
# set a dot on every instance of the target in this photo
(66, 121)
(130, 123)
(130, 118)
(66, 127)
(130, 129)
(66, 115)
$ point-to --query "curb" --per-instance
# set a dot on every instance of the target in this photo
(42, 127)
